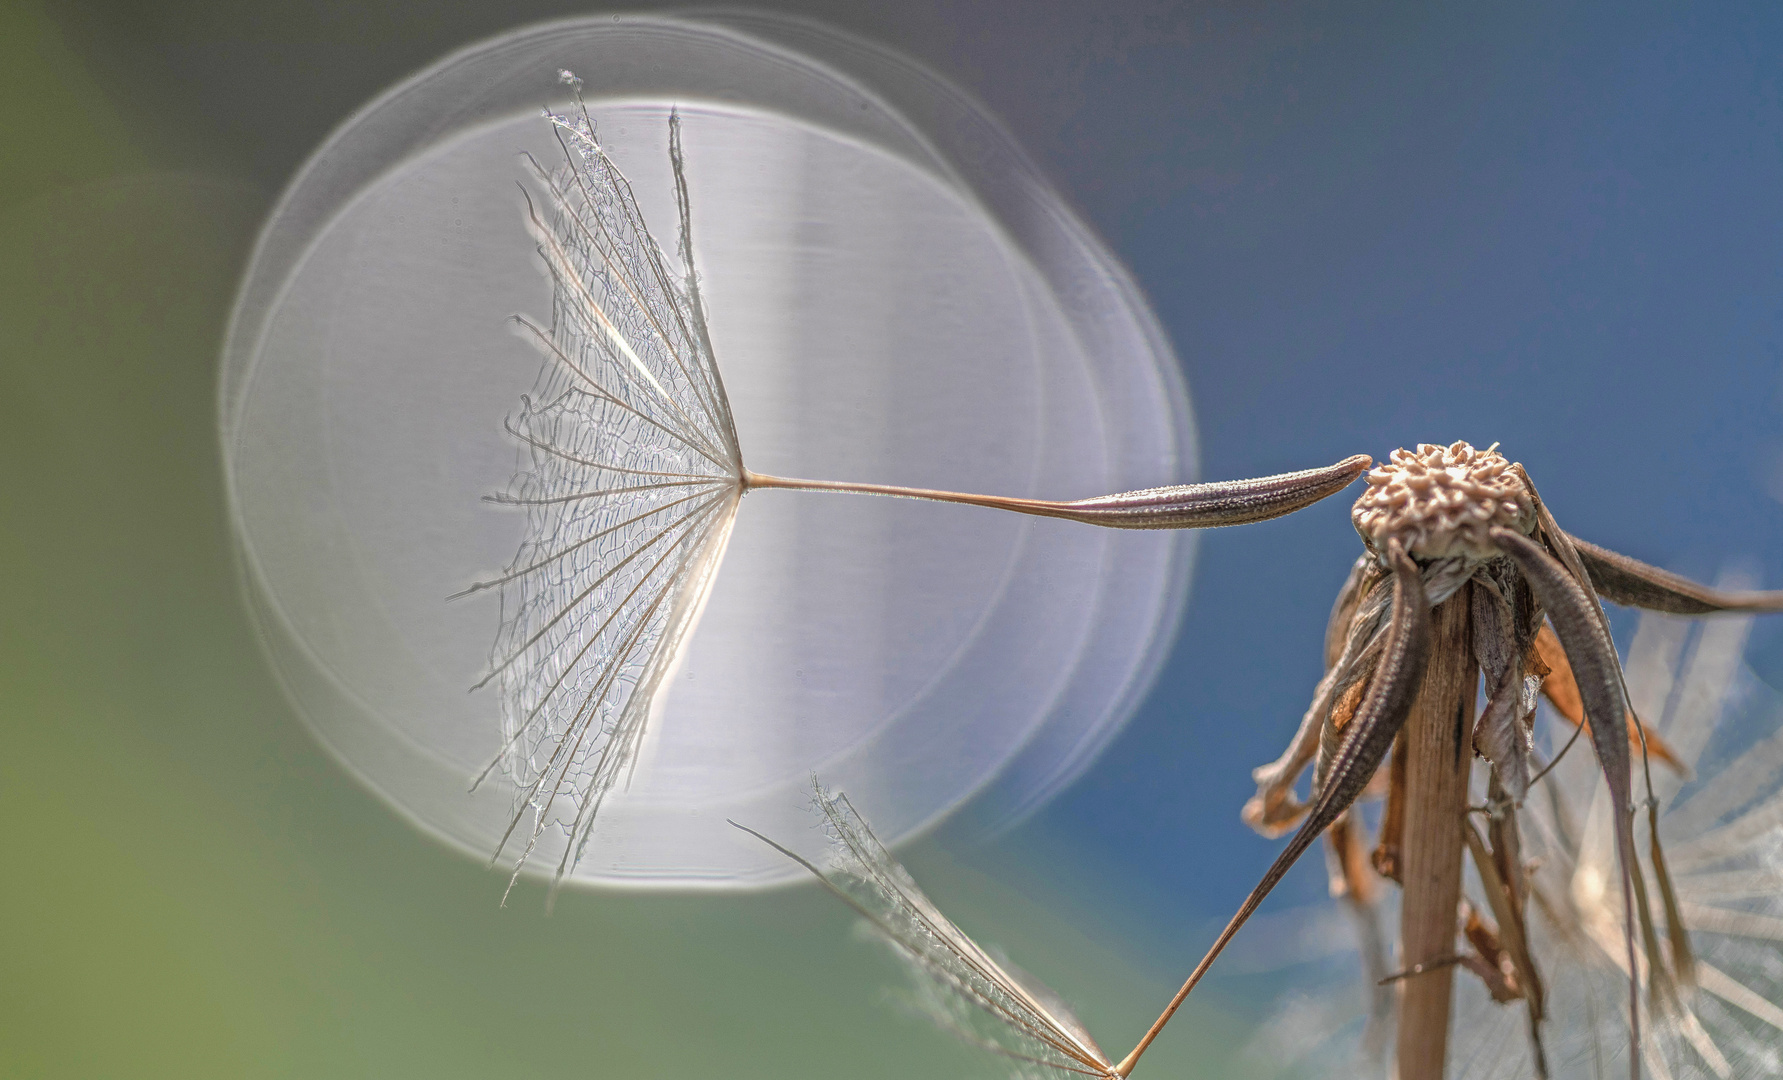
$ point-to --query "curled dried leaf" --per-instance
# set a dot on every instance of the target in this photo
(1357, 621)
(1387, 852)
(1502, 735)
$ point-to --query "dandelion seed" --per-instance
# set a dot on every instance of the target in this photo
(635, 482)
(958, 319)
(959, 984)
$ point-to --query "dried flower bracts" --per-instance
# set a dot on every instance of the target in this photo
(1467, 575)
(1480, 536)
(1722, 836)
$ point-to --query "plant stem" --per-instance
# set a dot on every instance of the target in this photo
(1437, 767)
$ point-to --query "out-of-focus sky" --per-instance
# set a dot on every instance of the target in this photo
(1363, 226)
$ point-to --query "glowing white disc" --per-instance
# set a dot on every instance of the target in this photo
(894, 297)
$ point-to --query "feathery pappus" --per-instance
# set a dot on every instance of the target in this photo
(632, 482)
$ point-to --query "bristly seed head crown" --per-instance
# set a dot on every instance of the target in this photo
(1440, 501)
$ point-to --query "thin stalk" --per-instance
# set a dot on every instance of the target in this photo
(1436, 775)
(754, 481)
(1373, 728)
(1182, 506)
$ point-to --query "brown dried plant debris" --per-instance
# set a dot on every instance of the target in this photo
(1436, 522)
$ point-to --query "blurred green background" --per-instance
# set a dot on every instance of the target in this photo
(191, 888)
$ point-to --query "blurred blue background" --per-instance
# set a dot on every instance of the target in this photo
(1364, 226)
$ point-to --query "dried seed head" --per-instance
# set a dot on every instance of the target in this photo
(1439, 501)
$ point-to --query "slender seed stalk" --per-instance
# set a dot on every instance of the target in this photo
(1373, 729)
(1180, 506)
(757, 481)
(1436, 778)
